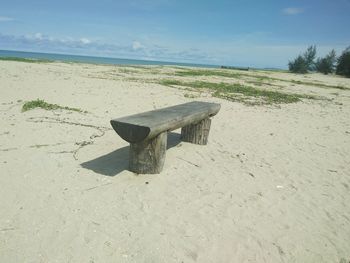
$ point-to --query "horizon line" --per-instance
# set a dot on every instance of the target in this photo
(163, 62)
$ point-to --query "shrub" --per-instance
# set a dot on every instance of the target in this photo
(304, 63)
(298, 65)
(343, 67)
(29, 105)
(326, 65)
(309, 56)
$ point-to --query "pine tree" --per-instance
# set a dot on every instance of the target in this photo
(309, 56)
(298, 65)
(343, 67)
(304, 63)
(326, 65)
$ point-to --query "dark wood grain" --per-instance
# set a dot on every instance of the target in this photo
(196, 133)
(147, 157)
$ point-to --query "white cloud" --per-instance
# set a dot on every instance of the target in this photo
(85, 41)
(5, 19)
(84, 46)
(137, 45)
(38, 36)
(240, 51)
(292, 10)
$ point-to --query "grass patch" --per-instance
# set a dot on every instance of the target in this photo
(172, 82)
(259, 82)
(28, 60)
(260, 78)
(131, 70)
(127, 70)
(29, 105)
(299, 82)
(195, 72)
(316, 84)
(243, 93)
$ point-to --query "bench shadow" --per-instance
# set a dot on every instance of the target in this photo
(117, 161)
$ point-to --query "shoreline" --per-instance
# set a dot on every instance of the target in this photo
(56, 57)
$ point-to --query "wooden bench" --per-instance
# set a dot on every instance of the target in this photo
(147, 132)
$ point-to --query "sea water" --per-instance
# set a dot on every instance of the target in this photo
(94, 60)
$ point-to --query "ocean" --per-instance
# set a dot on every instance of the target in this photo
(93, 60)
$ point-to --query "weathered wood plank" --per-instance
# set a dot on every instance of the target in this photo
(196, 133)
(147, 157)
(139, 127)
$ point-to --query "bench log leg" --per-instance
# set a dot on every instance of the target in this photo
(196, 133)
(148, 157)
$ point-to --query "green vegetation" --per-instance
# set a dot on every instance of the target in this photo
(298, 65)
(237, 92)
(309, 56)
(260, 82)
(201, 72)
(29, 105)
(343, 67)
(219, 73)
(259, 78)
(135, 70)
(299, 82)
(326, 65)
(28, 60)
(304, 63)
(319, 85)
(127, 70)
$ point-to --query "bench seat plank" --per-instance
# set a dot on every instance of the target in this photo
(147, 125)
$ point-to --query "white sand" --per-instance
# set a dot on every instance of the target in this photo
(272, 185)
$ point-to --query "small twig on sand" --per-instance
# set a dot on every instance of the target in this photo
(92, 188)
(188, 162)
(7, 229)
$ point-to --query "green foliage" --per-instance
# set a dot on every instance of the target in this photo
(304, 63)
(343, 67)
(326, 65)
(298, 65)
(260, 79)
(208, 72)
(309, 56)
(29, 105)
(28, 60)
(228, 91)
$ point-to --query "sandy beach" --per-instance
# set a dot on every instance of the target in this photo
(272, 185)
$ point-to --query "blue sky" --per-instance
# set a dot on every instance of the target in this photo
(238, 32)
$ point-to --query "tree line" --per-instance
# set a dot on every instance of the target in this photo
(329, 64)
